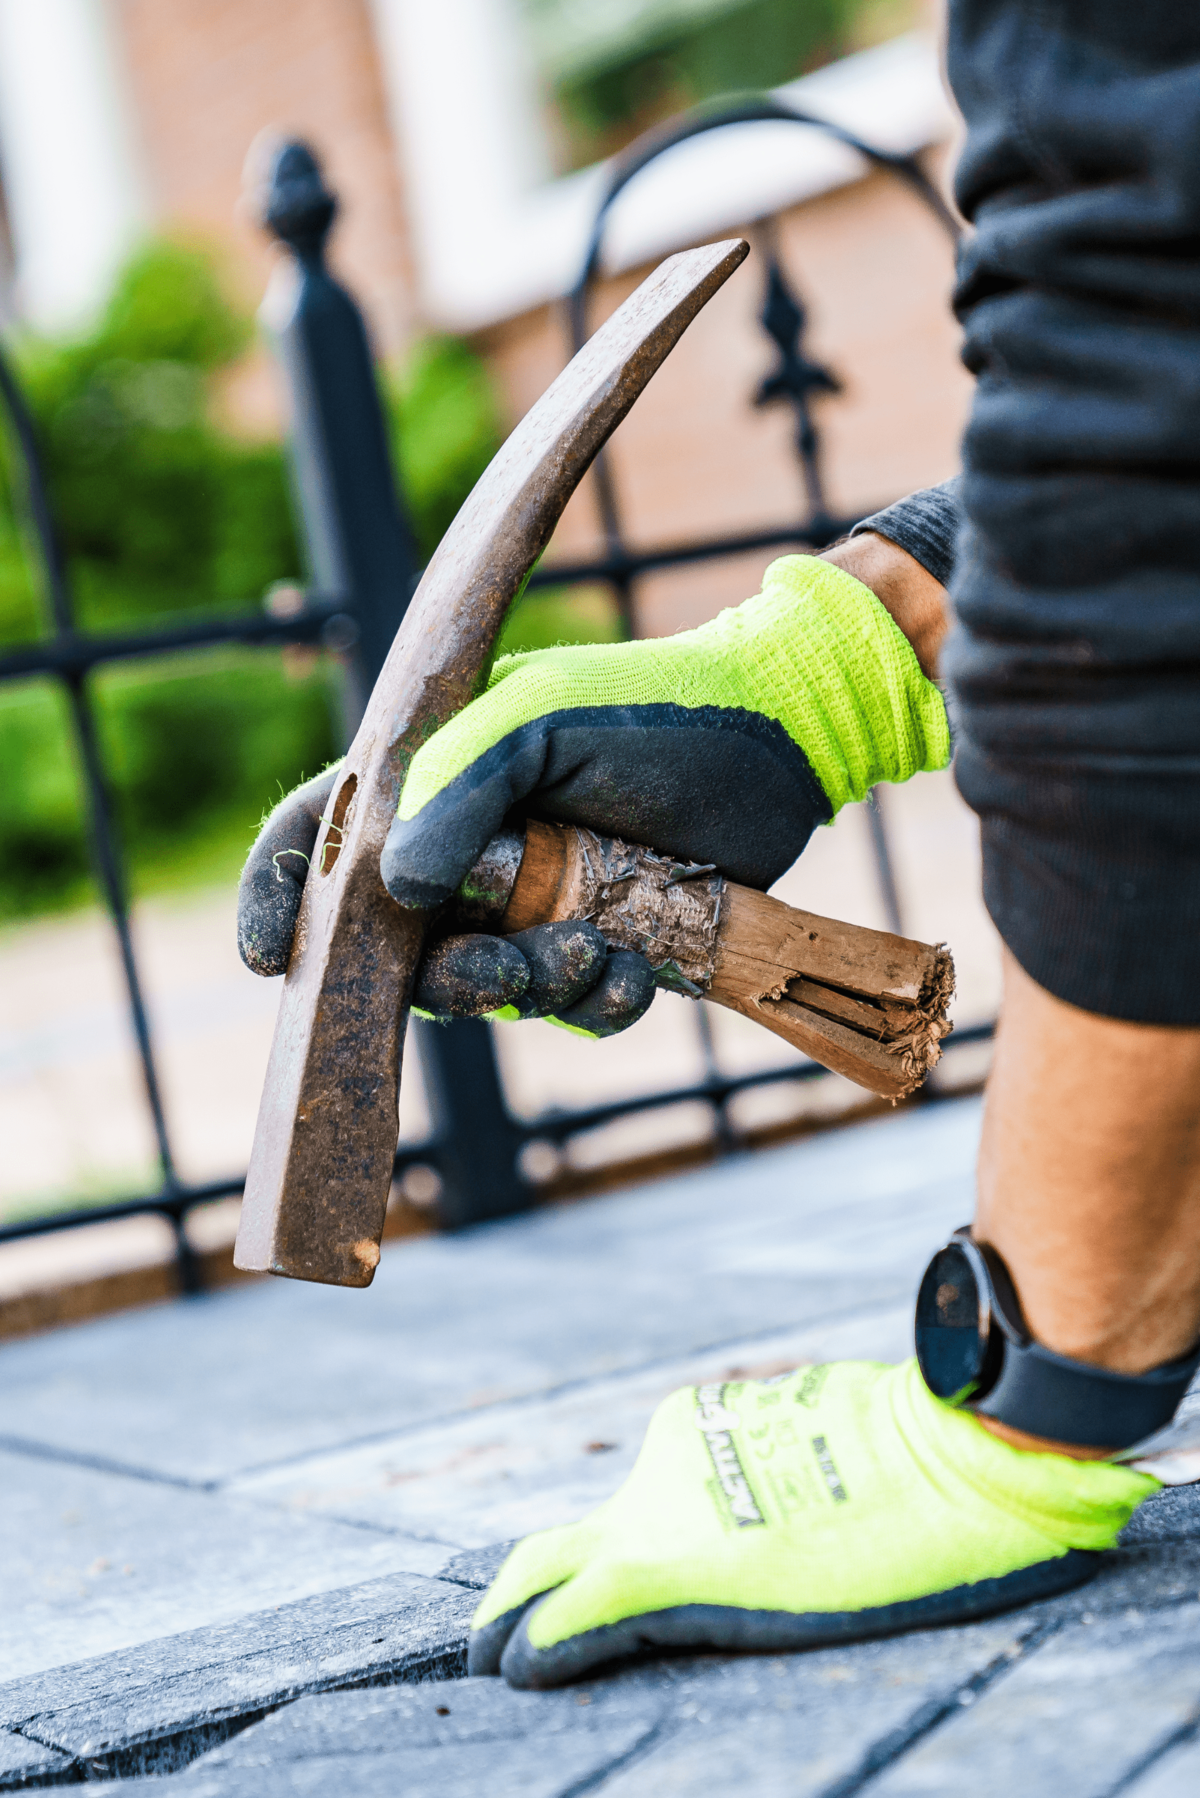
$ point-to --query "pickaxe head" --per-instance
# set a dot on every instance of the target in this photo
(325, 1144)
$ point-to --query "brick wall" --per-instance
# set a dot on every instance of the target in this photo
(208, 75)
(694, 458)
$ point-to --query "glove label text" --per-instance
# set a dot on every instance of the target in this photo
(716, 1424)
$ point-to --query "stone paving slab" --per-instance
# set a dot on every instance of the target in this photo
(488, 1407)
(1172, 1515)
(23, 1761)
(819, 1723)
(1176, 1774)
(377, 1746)
(1090, 1708)
(162, 1700)
(507, 1469)
(251, 1377)
(789, 1725)
(1138, 1576)
(93, 1560)
(168, 1702)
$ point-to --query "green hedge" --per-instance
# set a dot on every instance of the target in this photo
(195, 750)
(644, 68)
(162, 513)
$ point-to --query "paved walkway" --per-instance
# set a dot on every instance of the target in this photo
(241, 1537)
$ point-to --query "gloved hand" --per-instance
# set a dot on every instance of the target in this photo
(837, 1503)
(726, 744)
(564, 971)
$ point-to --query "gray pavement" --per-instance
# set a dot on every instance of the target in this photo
(241, 1537)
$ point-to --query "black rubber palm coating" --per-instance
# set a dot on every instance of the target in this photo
(565, 962)
(708, 783)
(273, 879)
(503, 1646)
(566, 971)
(619, 998)
(468, 976)
(563, 970)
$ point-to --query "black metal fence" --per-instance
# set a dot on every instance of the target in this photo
(364, 569)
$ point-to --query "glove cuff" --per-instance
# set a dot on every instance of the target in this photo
(841, 677)
(1081, 1504)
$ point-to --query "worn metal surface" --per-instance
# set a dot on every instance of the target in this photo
(323, 1152)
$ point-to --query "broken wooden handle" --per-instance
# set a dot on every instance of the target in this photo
(864, 1003)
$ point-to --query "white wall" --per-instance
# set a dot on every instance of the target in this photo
(462, 95)
(72, 182)
(495, 236)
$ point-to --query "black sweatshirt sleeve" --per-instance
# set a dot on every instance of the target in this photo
(925, 524)
(1075, 661)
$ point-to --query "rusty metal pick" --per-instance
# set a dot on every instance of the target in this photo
(321, 1166)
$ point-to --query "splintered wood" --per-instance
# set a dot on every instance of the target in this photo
(864, 1003)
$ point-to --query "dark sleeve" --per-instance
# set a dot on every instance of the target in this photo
(1075, 662)
(925, 524)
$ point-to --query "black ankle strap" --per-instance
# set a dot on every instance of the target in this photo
(1003, 1373)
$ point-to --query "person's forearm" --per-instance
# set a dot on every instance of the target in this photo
(1089, 1180)
(915, 601)
(1089, 1176)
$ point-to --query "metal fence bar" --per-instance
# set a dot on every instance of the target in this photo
(361, 545)
(623, 563)
(885, 866)
(78, 652)
(552, 1126)
(782, 316)
(102, 835)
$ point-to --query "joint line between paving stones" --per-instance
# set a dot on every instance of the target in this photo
(929, 1716)
(520, 1400)
(67, 1773)
(129, 1758)
(353, 1523)
(48, 1451)
(592, 1782)
(1186, 1732)
(39, 1451)
(100, 1464)
(144, 1758)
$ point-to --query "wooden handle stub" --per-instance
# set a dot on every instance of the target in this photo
(864, 1003)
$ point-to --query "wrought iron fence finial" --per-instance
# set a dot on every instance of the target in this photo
(295, 204)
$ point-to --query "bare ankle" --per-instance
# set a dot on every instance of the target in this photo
(1040, 1445)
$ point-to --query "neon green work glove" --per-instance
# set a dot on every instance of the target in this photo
(728, 744)
(837, 1503)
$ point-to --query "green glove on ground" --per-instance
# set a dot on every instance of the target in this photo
(839, 1502)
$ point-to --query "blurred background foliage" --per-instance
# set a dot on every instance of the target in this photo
(612, 68)
(162, 512)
